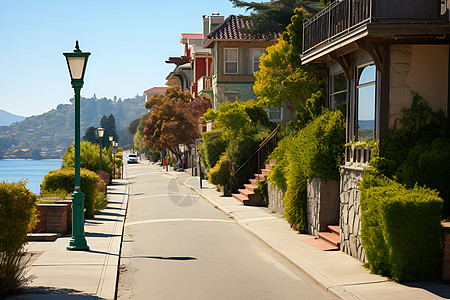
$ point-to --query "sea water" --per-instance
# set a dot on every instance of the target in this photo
(13, 170)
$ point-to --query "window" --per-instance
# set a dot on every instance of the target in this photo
(338, 92)
(366, 99)
(256, 55)
(275, 113)
(230, 98)
(231, 61)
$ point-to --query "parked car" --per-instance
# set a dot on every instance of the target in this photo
(132, 158)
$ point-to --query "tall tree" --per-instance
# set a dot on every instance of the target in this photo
(282, 77)
(271, 18)
(109, 124)
(90, 135)
(173, 120)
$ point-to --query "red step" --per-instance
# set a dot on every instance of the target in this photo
(246, 193)
(331, 238)
(251, 187)
(334, 228)
(320, 244)
(240, 197)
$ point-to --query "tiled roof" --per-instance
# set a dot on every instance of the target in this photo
(157, 90)
(230, 29)
(191, 36)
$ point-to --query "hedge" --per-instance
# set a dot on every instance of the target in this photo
(400, 228)
(65, 179)
(17, 208)
(212, 147)
(221, 173)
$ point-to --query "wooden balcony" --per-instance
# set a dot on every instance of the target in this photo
(204, 84)
(344, 18)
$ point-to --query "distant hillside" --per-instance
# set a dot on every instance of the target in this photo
(7, 118)
(53, 131)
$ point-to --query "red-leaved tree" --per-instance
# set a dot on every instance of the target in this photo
(173, 120)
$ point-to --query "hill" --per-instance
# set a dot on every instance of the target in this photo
(7, 118)
(53, 131)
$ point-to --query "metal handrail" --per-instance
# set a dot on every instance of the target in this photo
(252, 165)
(344, 16)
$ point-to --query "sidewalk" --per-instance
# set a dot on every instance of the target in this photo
(338, 273)
(60, 273)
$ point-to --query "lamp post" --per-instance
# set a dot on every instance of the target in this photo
(77, 61)
(116, 144)
(100, 132)
(114, 156)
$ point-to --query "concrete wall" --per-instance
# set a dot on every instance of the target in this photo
(419, 68)
(275, 200)
(350, 213)
(322, 205)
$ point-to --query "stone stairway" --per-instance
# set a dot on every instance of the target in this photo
(326, 241)
(248, 195)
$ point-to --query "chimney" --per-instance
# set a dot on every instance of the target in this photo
(209, 23)
(214, 21)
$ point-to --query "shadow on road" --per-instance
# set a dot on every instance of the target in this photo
(180, 258)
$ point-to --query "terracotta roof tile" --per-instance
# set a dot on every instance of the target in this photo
(230, 29)
(157, 89)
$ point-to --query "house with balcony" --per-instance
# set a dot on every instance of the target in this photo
(235, 59)
(377, 52)
(192, 69)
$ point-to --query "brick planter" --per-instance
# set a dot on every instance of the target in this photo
(53, 217)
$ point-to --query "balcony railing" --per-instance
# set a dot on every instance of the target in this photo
(344, 16)
(204, 83)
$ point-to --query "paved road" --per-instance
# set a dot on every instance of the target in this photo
(176, 245)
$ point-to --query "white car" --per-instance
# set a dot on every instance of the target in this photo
(132, 158)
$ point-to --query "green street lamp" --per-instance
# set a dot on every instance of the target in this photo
(77, 61)
(100, 132)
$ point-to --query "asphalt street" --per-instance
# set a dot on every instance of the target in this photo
(176, 245)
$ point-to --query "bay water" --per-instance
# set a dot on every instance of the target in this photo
(13, 170)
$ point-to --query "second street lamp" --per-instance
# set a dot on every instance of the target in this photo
(77, 61)
(100, 132)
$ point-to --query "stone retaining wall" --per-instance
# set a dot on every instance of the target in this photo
(350, 213)
(275, 201)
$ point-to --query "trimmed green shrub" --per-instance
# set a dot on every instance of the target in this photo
(65, 179)
(322, 145)
(212, 147)
(17, 213)
(101, 201)
(17, 206)
(239, 150)
(400, 228)
(222, 171)
(89, 158)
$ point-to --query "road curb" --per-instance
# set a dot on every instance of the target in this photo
(108, 284)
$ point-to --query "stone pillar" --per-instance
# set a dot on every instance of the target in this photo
(350, 213)
(322, 205)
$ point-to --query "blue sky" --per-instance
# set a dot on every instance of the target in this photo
(129, 41)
